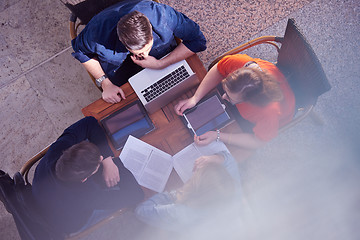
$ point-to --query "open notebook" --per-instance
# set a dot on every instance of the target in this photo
(151, 167)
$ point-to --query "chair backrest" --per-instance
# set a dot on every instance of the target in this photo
(18, 200)
(86, 9)
(301, 67)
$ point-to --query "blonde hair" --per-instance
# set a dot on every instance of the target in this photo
(254, 85)
(209, 185)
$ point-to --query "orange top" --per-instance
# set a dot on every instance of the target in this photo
(270, 118)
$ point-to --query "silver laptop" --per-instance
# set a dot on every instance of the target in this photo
(156, 88)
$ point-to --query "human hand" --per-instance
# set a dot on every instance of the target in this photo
(147, 62)
(203, 160)
(110, 172)
(206, 138)
(111, 93)
(184, 104)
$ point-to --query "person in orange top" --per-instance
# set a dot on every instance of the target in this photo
(260, 92)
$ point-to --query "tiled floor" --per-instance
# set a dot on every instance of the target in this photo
(302, 185)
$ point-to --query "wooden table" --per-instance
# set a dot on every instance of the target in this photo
(170, 134)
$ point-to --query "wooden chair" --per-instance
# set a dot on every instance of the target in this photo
(299, 64)
(16, 196)
(81, 13)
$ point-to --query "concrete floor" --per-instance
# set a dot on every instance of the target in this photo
(302, 185)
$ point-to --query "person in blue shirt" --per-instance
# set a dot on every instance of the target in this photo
(131, 35)
(211, 195)
(78, 182)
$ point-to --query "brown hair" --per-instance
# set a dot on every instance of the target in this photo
(254, 85)
(134, 30)
(78, 162)
(209, 186)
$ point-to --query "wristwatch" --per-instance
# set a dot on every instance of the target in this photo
(100, 79)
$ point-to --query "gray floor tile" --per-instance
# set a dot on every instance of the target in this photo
(35, 32)
(226, 23)
(304, 181)
(10, 68)
(7, 3)
(25, 125)
(64, 88)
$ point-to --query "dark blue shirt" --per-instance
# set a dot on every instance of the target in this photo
(99, 37)
(68, 206)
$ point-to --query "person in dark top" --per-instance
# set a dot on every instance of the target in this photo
(131, 35)
(78, 176)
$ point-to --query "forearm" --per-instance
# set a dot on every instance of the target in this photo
(179, 53)
(244, 140)
(210, 81)
(94, 68)
(157, 209)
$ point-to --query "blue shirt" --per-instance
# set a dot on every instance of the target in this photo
(99, 37)
(161, 210)
(68, 206)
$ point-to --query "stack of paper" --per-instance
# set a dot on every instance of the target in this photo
(152, 167)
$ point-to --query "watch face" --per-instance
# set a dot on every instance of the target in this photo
(99, 80)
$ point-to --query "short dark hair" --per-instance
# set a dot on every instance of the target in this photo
(255, 86)
(134, 30)
(78, 162)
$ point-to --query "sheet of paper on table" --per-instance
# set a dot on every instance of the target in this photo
(151, 167)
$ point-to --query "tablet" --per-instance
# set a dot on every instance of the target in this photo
(208, 115)
(129, 120)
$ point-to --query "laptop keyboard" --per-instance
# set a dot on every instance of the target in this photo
(165, 83)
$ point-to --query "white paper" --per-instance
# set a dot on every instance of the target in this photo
(185, 159)
(150, 166)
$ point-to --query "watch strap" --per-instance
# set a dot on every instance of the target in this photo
(100, 79)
